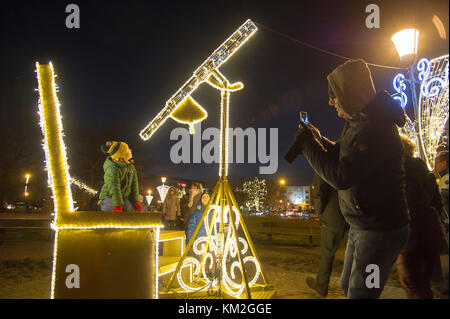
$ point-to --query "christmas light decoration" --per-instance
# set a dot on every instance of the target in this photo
(182, 98)
(84, 186)
(224, 262)
(433, 107)
(163, 190)
(27, 178)
(256, 191)
(67, 221)
(55, 150)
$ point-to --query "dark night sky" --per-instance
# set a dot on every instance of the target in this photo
(129, 57)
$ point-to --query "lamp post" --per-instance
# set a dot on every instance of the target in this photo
(406, 42)
(282, 183)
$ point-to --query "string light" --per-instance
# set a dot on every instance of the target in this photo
(200, 75)
(433, 107)
(201, 246)
(256, 191)
(213, 251)
(59, 179)
(84, 186)
(51, 121)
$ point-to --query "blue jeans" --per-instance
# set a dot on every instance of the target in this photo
(107, 205)
(370, 248)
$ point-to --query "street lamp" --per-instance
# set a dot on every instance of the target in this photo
(282, 181)
(406, 42)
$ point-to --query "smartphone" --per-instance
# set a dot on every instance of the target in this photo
(304, 117)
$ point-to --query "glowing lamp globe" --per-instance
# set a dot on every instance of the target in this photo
(406, 42)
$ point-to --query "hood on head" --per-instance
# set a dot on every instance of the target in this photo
(352, 84)
(172, 189)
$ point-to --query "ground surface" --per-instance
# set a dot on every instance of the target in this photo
(25, 266)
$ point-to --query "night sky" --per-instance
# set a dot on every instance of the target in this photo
(129, 57)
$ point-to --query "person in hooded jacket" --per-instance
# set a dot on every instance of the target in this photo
(196, 217)
(332, 230)
(366, 167)
(120, 191)
(171, 208)
(426, 239)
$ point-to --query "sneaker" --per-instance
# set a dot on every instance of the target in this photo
(311, 283)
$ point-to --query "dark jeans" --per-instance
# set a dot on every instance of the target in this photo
(415, 270)
(329, 243)
(366, 248)
(107, 205)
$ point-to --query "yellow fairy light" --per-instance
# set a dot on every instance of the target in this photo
(55, 150)
(66, 219)
(201, 74)
(433, 108)
(84, 186)
(220, 248)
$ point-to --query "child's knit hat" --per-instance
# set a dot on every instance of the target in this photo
(115, 149)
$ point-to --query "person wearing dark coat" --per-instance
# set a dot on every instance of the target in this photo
(366, 167)
(195, 193)
(171, 208)
(426, 239)
(333, 227)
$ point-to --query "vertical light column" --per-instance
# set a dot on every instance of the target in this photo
(52, 130)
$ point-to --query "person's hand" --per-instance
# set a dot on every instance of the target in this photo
(137, 207)
(117, 209)
(315, 131)
(302, 132)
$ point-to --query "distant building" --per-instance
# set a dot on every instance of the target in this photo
(297, 195)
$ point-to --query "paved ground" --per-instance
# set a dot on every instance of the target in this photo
(25, 267)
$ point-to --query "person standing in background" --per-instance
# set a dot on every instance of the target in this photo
(426, 241)
(332, 230)
(171, 208)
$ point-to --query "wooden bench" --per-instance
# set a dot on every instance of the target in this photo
(271, 226)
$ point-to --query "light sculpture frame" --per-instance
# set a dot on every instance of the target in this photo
(429, 80)
(221, 217)
(66, 219)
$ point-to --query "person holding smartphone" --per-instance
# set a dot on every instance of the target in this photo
(366, 168)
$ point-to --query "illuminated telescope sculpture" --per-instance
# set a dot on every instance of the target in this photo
(175, 105)
(223, 262)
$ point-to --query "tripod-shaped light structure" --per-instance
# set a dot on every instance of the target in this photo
(223, 262)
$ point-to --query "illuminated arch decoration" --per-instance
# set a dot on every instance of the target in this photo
(433, 107)
(223, 263)
(81, 237)
(432, 110)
